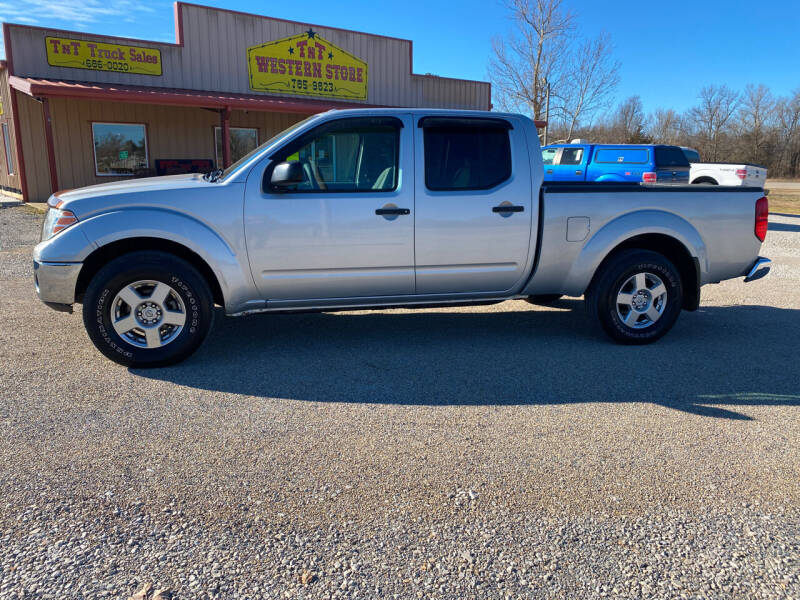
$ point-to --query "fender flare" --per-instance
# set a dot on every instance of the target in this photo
(234, 278)
(626, 227)
(705, 179)
(611, 177)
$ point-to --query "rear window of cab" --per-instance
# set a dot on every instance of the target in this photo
(637, 156)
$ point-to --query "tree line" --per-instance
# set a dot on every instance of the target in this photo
(752, 126)
(544, 66)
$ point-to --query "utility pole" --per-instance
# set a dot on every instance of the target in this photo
(546, 110)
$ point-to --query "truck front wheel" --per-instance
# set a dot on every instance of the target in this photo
(636, 296)
(147, 309)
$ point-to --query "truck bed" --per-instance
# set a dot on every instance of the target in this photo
(582, 221)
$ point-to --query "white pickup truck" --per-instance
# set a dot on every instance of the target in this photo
(723, 173)
(377, 208)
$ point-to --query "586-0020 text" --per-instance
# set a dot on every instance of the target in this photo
(106, 65)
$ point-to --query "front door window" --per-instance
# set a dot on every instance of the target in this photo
(355, 155)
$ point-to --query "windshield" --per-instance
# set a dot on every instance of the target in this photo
(270, 141)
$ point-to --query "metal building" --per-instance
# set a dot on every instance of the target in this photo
(78, 109)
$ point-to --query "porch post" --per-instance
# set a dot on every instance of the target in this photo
(48, 138)
(225, 118)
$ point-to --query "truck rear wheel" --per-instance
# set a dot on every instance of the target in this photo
(147, 309)
(636, 296)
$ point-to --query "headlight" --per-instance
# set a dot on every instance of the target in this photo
(56, 220)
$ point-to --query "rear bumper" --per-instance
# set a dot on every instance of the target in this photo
(55, 282)
(759, 269)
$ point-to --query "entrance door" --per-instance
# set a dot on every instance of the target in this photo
(473, 205)
(347, 230)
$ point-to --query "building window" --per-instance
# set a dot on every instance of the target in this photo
(468, 158)
(119, 148)
(243, 141)
(9, 155)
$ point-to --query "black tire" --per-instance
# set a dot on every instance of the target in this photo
(544, 299)
(601, 297)
(189, 294)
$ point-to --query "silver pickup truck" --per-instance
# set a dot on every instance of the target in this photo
(378, 208)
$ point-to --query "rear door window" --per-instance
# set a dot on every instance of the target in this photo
(637, 156)
(466, 157)
(691, 155)
(571, 156)
(548, 155)
(670, 156)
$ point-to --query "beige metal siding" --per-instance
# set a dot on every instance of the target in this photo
(172, 132)
(8, 182)
(30, 58)
(214, 57)
(442, 92)
(37, 172)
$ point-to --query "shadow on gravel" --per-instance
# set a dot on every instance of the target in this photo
(714, 358)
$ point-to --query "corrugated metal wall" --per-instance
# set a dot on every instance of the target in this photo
(172, 132)
(37, 171)
(214, 57)
(8, 182)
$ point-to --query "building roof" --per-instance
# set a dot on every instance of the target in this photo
(170, 96)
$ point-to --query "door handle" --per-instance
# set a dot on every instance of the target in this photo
(549, 171)
(507, 208)
(578, 172)
(392, 211)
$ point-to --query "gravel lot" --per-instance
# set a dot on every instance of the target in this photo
(507, 451)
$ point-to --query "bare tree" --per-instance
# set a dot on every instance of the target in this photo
(756, 115)
(667, 127)
(712, 117)
(787, 135)
(526, 60)
(544, 49)
(754, 127)
(628, 123)
(590, 83)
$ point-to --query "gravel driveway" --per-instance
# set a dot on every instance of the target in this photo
(507, 451)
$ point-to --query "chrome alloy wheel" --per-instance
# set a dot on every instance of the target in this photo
(641, 300)
(148, 314)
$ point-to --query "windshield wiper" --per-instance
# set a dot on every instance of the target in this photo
(212, 175)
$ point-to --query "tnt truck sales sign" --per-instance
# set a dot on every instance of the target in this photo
(307, 65)
(99, 56)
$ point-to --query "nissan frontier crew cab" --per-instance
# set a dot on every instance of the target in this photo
(375, 208)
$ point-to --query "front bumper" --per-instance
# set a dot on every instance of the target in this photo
(759, 269)
(55, 283)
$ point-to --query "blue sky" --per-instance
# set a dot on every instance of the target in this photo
(668, 50)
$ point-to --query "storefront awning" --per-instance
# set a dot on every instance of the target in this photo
(53, 88)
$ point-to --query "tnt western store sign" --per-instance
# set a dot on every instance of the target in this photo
(80, 109)
(306, 64)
